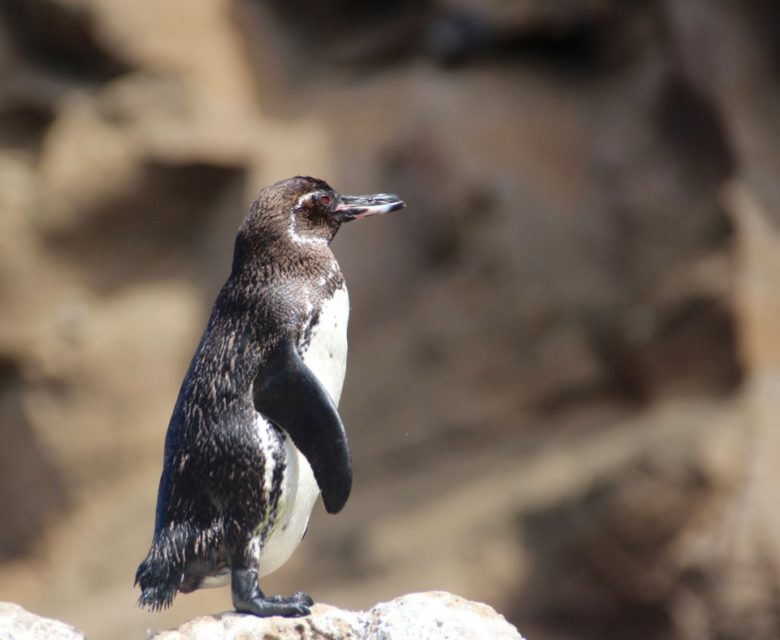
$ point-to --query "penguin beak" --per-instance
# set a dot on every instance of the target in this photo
(357, 207)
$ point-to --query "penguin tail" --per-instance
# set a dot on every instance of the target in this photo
(162, 571)
(156, 597)
(180, 557)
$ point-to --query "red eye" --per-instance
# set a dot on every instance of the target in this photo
(325, 200)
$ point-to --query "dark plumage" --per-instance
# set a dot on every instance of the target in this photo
(232, 482)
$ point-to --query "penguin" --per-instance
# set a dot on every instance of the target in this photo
(255, 435)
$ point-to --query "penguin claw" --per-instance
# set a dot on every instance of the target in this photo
(304, 598)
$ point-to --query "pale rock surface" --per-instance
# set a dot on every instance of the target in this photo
(416, 616)
(18, 624)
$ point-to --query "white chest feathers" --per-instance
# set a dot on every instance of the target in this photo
(326, 352)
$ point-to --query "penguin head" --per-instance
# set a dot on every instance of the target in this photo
(307, 210)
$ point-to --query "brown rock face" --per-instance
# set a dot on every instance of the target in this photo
(562, 392)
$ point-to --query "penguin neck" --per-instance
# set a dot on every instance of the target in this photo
(281, 255)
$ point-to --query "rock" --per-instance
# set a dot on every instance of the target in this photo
(435, 614)
(417, 615)
(18, 624)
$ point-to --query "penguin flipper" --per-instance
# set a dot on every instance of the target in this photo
(288, 394)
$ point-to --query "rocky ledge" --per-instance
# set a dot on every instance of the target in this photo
(416, 616)
(18, 624)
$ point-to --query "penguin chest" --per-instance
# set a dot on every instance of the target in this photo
(324, 351)
(324, 348)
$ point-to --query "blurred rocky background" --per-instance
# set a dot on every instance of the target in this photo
(563, 391)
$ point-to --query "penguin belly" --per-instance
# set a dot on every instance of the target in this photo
(299, 493)
(326, 356)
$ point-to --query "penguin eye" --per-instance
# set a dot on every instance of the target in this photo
(325, 200)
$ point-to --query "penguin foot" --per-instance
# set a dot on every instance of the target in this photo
(247, 598)
(291, 607)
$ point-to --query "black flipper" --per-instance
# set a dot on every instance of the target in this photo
(288, 394)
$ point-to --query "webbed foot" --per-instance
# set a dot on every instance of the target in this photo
(247, 598)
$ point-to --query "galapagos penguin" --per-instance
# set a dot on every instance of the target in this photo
(255, 435)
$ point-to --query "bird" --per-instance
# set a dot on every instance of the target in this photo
(255, 435)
